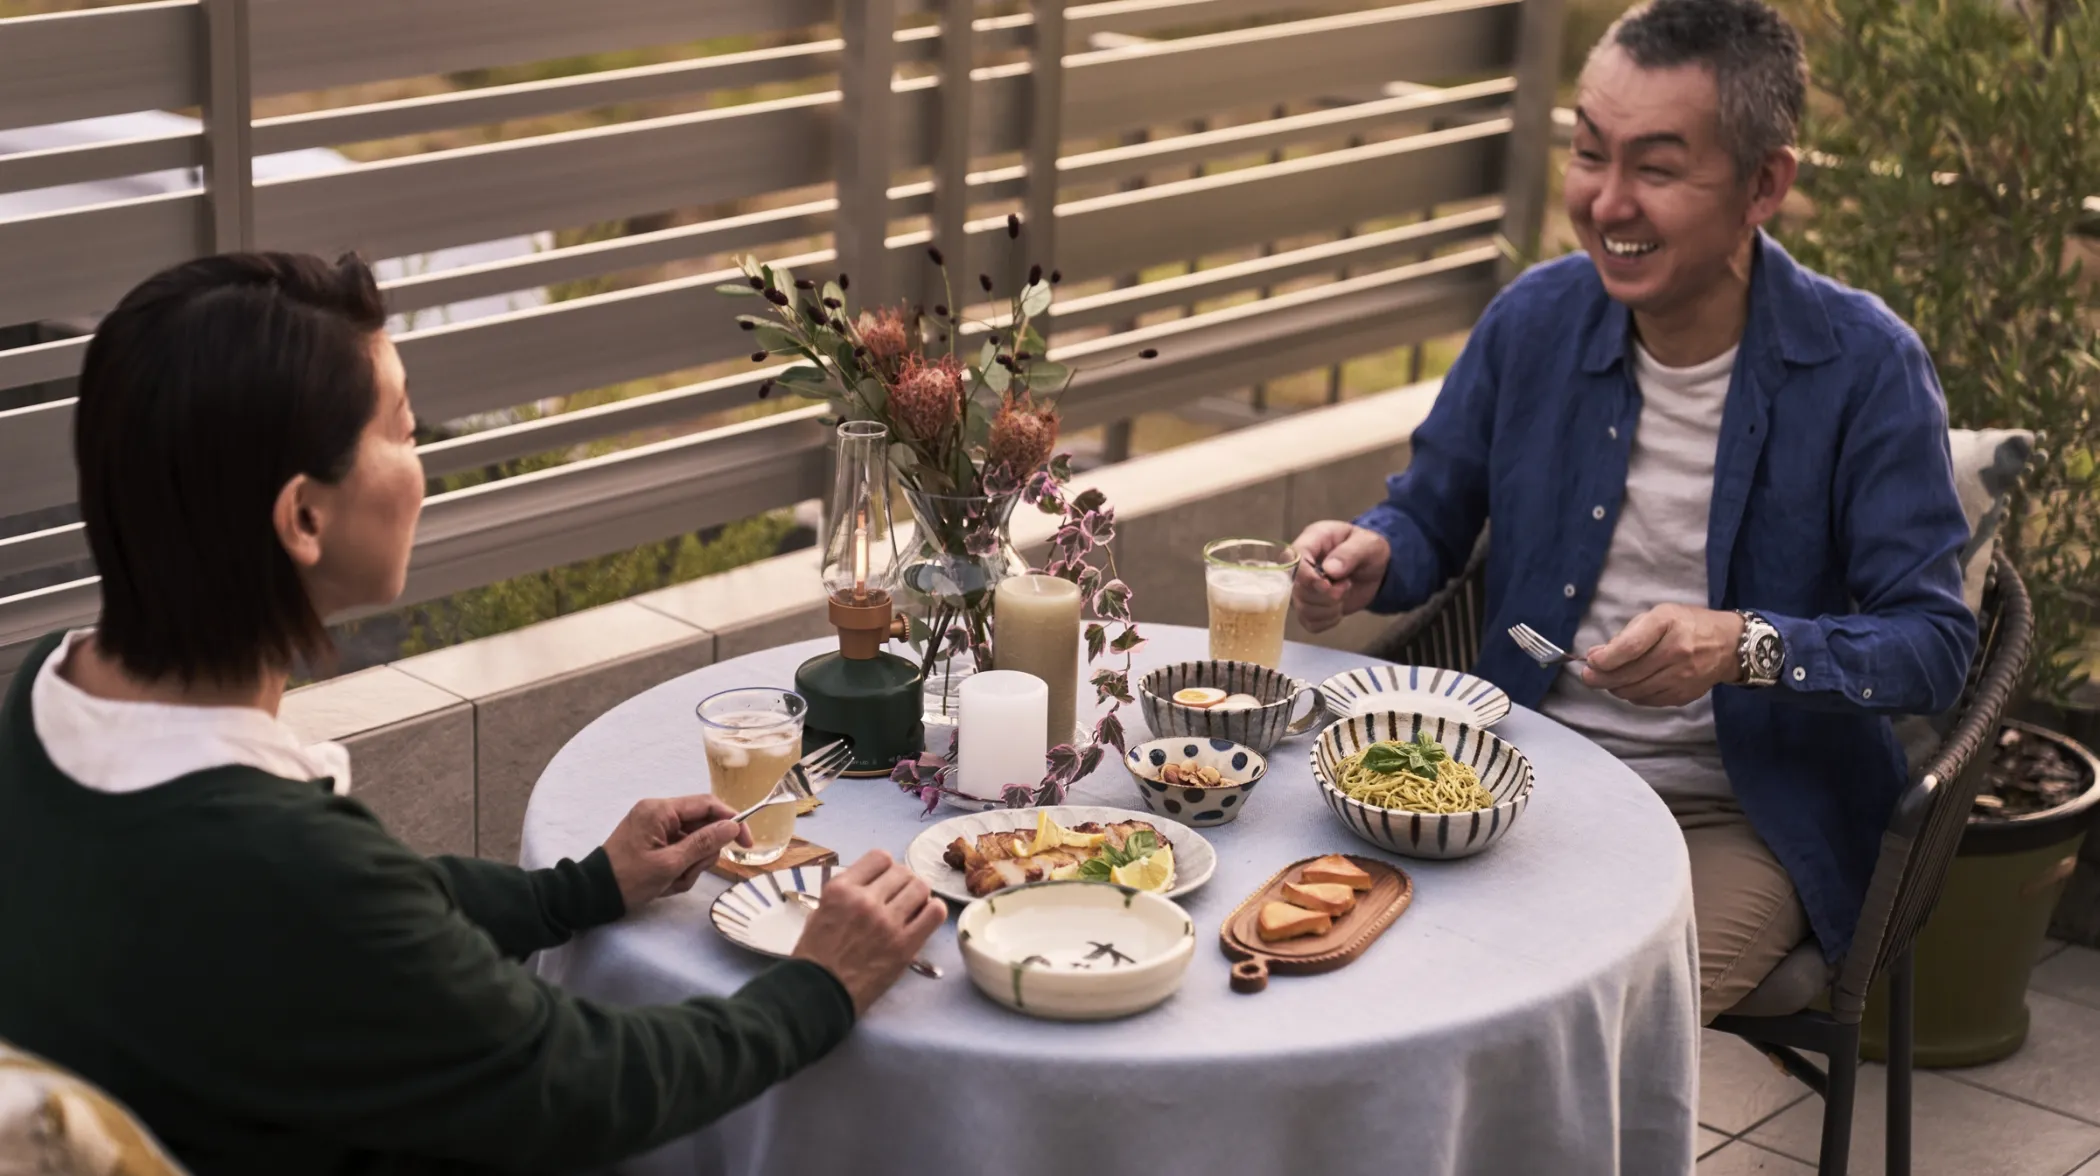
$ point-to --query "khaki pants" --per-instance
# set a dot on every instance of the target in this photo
(1748, 915)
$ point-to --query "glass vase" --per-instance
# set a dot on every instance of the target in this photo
(961, 549)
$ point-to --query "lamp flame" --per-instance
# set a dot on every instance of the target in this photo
(860, 554)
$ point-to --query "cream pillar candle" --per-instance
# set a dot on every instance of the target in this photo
(1000, 742)
(1036, 631)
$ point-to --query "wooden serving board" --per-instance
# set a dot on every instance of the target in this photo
(1375, 909)
(798, 853)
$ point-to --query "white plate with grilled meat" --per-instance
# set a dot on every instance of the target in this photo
(992, 834)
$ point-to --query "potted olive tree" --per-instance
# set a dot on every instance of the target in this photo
(1951, 149)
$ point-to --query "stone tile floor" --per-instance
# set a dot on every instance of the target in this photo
(2036, 1113)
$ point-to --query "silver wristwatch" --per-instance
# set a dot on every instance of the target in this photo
(1760, 650)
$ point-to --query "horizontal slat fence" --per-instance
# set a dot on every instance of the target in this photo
(1290, 147)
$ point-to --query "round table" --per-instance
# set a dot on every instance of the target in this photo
(1535, 1010)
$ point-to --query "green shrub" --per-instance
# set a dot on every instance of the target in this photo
(516, 603)
(1954, 150)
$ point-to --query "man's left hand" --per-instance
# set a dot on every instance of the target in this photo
(1669, 656)
(662, 845)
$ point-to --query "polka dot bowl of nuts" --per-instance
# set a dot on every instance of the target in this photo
(1196, 781)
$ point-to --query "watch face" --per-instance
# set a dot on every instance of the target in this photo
(1765, 656)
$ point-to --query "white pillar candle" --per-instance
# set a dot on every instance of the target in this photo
(1036, 631)
(1005, 718)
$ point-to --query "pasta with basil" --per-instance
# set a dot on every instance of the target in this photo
(1417, 777)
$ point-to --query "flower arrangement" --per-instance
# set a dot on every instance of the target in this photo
(972, 406)
(1079, 553)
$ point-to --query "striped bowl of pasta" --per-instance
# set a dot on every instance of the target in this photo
(1349, 762)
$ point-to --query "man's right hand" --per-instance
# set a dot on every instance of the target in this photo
(872, 919)
(1340, 566)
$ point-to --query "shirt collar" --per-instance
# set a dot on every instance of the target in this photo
(109, 746)
(1786, 316)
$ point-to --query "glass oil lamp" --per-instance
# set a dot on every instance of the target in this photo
(862, 692)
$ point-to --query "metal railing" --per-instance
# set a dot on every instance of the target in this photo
(902, 152)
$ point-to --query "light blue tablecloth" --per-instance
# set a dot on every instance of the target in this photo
(1534, 1013)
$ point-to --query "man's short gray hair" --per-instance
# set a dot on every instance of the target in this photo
(1755, 56)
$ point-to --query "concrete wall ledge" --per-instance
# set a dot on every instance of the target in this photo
(446, 745)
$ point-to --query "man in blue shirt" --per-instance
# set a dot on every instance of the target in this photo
(1720, 478)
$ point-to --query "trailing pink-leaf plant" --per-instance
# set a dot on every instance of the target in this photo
(1079, 552)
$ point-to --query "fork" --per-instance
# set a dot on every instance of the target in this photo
(806, 777)
(1542, 651)
(808, 902)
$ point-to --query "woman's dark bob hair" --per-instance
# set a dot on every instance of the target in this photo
(207, 389)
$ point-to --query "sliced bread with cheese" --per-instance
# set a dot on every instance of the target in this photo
(1336, 869)
(1329, 898)
(1281, 920)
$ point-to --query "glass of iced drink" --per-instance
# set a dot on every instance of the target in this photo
(1248, 582)
(753, 736)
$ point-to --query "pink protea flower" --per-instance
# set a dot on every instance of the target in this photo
(1022, 437)
(887, 335)
(927, 397)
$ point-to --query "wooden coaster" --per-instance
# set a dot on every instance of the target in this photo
(799, 853)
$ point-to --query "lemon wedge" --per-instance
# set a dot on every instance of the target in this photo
(1154, 872)
(1048, 834)
(1200, 697)
(1083, 840)
(1065, 873)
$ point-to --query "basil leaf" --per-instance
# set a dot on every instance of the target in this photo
(1094, 870)
(1386, 759)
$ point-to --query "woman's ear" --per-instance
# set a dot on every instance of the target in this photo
(297, 518)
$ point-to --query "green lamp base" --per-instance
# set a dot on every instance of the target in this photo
(872, 701)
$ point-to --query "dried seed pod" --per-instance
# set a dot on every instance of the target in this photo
(933, 254)
(1013, 226)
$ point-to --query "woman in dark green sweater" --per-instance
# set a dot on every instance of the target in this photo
(196, 915)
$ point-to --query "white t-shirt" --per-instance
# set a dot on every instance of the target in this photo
(112, 746)
(1657, 556)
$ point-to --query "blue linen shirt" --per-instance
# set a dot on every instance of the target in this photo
(1834, 516)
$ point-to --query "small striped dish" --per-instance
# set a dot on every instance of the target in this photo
(1420, 690)
(756, 913)
(1504, 771)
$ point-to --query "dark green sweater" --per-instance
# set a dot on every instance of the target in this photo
(276, 985)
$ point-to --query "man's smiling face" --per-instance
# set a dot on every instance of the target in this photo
(1651, 188)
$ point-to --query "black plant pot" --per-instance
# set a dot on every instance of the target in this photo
(1976, 952)
(2077, 916)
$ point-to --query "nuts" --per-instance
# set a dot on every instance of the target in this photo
(1191, 774)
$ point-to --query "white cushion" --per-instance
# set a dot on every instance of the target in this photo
(1987, 465)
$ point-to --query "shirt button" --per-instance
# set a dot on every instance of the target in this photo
(1614, 431)
(1867, 692)
(1568, 590)
(1800, 674)
(1597, 512)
